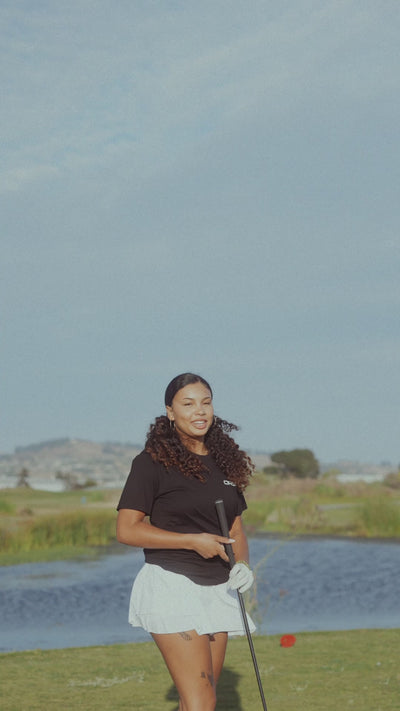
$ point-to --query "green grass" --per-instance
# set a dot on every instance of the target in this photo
(6, 507)
(73, 529)
(40, 501)
(46, 555)
(300, 515)
(322, 507)
(42, 525)
(325, 670)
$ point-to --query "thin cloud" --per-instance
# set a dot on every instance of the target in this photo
(208, 186)
(73, 93)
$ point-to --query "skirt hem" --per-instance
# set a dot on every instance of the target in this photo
(163, 602)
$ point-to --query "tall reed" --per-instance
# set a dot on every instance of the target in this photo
(379, 517)
(70, 529)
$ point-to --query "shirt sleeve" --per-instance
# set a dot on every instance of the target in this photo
(141, 485)
(242, 505)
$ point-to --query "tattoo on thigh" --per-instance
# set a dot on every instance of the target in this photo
(210, 678)
(185, 636)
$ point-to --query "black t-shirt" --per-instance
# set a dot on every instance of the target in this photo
(182, 504)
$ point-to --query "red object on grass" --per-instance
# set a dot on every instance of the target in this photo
(288, 640)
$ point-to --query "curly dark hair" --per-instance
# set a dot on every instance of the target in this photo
(164, 445)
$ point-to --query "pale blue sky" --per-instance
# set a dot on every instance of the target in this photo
(204, 186)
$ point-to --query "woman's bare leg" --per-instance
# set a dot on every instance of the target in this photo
(218, 642)
(190, 659)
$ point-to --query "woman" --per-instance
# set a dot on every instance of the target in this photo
(181, 595)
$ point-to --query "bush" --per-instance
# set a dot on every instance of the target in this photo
(380, 517)
(296, 462)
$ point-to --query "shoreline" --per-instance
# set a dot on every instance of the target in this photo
(322, 536)
(259, 637)
(51, 555)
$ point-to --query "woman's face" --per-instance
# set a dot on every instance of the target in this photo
(192, 411)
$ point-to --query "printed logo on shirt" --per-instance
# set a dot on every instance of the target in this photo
(229, 483)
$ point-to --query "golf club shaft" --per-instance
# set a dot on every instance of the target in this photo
(219, 504)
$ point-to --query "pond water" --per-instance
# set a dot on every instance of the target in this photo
(302, 585)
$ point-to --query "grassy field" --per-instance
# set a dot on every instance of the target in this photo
(331, 671)
(42, 525)
(323, 507)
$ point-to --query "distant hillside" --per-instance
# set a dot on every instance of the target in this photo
(107, 463)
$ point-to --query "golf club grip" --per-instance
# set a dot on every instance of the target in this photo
(223, 523)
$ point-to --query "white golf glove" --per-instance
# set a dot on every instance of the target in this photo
(240, 578)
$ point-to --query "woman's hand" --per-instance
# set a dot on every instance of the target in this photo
(208, 545)
(241, 577)
(133, 530)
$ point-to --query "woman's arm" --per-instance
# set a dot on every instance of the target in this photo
(241, 578)
(240, 546)
(133, 530)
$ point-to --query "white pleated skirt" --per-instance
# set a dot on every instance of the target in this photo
(163, 602)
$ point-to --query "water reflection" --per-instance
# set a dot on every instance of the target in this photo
(328, 585)
(301, 585)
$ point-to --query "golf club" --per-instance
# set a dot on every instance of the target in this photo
(219, 504)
